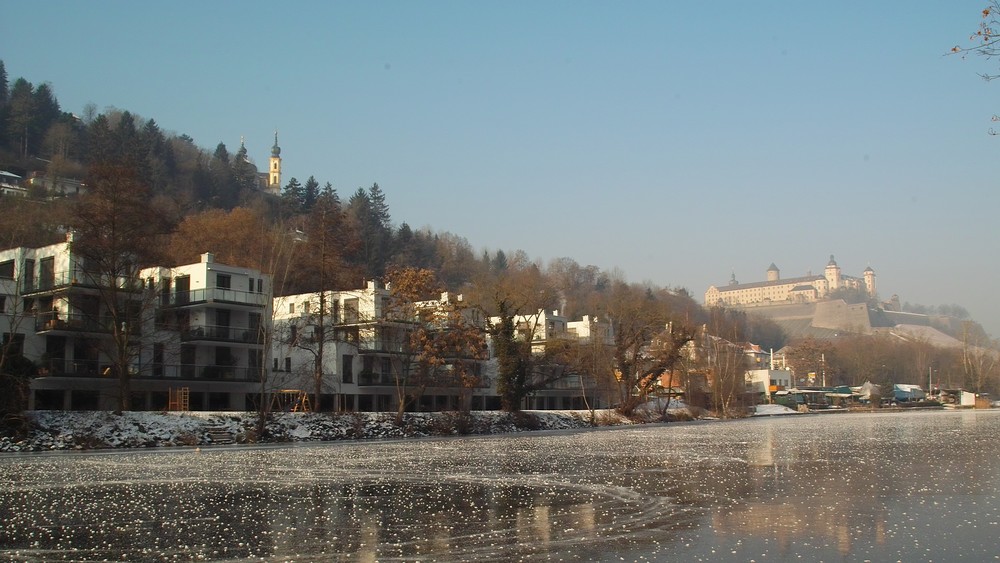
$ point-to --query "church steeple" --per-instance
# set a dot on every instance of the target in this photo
(274, 168)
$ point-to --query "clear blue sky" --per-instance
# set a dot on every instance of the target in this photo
(677, 141)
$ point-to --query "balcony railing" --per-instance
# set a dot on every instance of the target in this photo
(366, 379)
(93, 368)
(60, 280)
(222, 334)
(382, 345)
(213, 295)
(73, 322)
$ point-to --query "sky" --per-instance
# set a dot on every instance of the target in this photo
(678, 142)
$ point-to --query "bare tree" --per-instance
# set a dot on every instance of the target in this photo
(116, 232)
(15, 368)
(985, 42)
(441, 344)
(649, 337)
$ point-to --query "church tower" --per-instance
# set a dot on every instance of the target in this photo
(274, 168)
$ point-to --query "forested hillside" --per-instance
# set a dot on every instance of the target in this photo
(209, 200)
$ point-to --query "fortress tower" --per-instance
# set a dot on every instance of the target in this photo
(832, 274)
(870, 281)
(773, 273)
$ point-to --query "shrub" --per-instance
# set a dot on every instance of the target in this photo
(526, 421)
(452, 422)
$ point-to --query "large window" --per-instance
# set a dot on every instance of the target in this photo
(347, 368)
(7, 269)
(47, 272)
(223, 281)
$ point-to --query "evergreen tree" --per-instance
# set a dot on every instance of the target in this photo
(292, 196)
(221, 154)
(499, 263)
(4, 92)
(101, 140)
(309, 193)
(20, 110)
(330, 193)
(244, 173)
(45, 112)
(224, 191)
(369, 210)
(4, 99)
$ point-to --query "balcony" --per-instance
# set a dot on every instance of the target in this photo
(383, 346)
(366, 379)
(94, 368)
(63, 280)
(215, 295)
(233, 335)
(72, 323)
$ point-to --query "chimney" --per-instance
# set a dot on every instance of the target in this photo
(207, 258)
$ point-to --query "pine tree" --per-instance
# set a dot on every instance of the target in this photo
(20, 110)
(292, 196)
(309, 193)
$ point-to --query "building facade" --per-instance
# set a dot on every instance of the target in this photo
(193, 328)
(356, 343)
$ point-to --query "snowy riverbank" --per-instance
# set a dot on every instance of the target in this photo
(64, 430)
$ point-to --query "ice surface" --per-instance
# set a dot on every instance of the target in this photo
(901, 486)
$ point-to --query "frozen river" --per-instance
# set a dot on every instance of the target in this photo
(921, 486)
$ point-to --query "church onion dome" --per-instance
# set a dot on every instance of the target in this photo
(773, 268)
(832, 261)
(275, 150)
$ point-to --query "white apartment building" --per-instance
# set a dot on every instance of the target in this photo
(197, 328)
(365, 345)
(545, 327)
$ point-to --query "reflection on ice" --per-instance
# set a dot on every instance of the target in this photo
(878, 486)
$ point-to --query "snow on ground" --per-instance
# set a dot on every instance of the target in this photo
(70, 430)
(772, 410)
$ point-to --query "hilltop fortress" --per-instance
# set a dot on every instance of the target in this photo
(815, 306)
(776, 291)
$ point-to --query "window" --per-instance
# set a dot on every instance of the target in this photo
(260, 285)
(182, 286)
(291, 308)
(223, 281)
(305, 307)
(47, 272)
(3, 303)
(251, 285)
(276, 364)
(14, 343)
(157, 359)
(7, 269)
(28, 274)
(347, 368)
(288, 364)
(223, 356)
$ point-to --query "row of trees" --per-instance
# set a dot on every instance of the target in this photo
(885, 359)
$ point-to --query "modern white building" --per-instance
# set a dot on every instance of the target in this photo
(197, 327)
(362, 352)
(545, 328)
